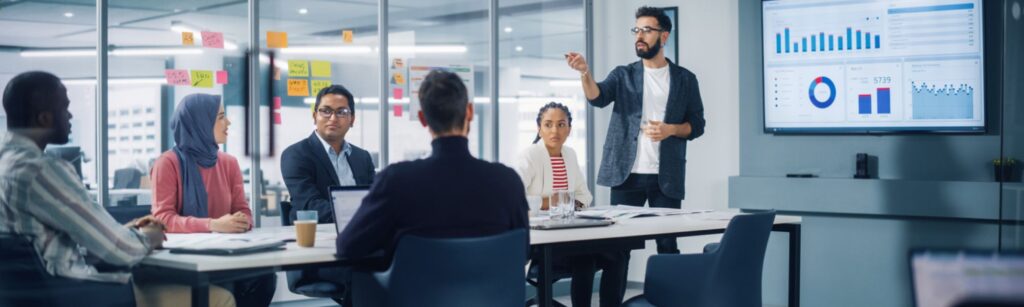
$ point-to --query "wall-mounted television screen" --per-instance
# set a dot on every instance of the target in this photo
(886, 66)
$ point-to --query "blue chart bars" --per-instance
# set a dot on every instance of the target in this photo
(785, 43)
(884, 105)
(946, 102)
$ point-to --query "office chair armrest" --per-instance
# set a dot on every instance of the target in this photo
(370, 288)
(712, 247)
(673, 279)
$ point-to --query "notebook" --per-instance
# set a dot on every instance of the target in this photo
(569, 223)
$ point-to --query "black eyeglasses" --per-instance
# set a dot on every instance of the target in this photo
(340, 113)
(645, 30)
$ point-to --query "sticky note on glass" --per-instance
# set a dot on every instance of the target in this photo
(321, 69)
(397, 110)
(396, 93)
(277, 39)
(277, 118)
(319, 85)
(177, 77)
(202, 78)
(298, 68)
(187, 39)
(346, 36)
(222, 77)
(298, 87)
(277, 103)
(212, 39)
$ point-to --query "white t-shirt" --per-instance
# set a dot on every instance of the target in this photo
(656, 88)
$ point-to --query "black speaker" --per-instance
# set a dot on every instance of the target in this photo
(862, 167)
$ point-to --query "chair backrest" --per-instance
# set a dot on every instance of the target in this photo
(124, 214)
(286, 213)
(736, 277)
(127, 178)
(480, 271)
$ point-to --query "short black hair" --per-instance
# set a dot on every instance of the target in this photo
(335, 89)
(657, 13)
(24, 100)
(443, 100)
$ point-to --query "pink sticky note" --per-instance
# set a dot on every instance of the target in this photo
(178, 77)
(277, 103)
(396, 93)
(277, 118)
(222, 77)
(397, 110)
(213, 39)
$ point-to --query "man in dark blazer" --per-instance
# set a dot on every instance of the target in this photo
(324, 159)
(449, 194)
(657, 111)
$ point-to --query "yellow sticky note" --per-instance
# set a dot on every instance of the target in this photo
(321, 69)
(202, 78)
(398, 78)
(298, 68)
(319, 85)
(298, 87)
(277, 39)
(187, 39)
(347, 36)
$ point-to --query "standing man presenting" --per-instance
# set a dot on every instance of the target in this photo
(657, 111)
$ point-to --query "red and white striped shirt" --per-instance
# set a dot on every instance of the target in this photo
(561, 179)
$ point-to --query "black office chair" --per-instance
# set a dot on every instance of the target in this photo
(303, 282)
(25, 282)
(126, 214)
(127, 178)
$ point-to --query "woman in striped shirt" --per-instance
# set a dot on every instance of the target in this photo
(550, 166)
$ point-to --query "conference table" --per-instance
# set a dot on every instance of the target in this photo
(201, 271)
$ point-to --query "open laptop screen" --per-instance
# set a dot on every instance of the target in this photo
(346, 201)
(951, 277)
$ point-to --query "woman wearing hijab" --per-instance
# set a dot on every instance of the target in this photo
(198, 188)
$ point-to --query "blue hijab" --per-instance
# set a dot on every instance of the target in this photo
(192, 126)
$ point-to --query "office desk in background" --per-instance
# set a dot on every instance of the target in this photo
(144, 196)
(200, 271)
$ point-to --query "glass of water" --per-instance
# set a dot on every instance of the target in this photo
(563, 204)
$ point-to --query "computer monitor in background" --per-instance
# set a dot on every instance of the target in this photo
(72, 154)
(946, 278)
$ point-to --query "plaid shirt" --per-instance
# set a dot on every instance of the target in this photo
(43, 198)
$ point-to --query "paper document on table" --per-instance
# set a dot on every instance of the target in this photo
(628, 212)
(217, 243)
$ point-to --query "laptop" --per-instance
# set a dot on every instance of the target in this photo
(346, 201)
(967, 278)
(569, 223)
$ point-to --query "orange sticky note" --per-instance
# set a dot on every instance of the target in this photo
(212, 39)
(187, 39)
(222, 77)
(277, 39)
(298, 87)
(347, 36)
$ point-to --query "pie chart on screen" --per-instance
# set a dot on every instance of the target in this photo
(822, 92)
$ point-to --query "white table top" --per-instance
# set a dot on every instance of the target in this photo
(324, 249)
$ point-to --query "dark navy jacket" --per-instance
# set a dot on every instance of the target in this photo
(309, 174)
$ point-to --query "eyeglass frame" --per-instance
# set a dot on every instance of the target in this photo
(339, 113)
(645, 30)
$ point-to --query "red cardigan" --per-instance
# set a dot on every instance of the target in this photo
(224, 189)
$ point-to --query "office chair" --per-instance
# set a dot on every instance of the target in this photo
(127, 178)
(478, 271)
(533, 278)
(303, 282)
(729, 274)
(126, 214)
(25, 282)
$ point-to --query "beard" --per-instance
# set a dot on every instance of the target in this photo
(651, 50)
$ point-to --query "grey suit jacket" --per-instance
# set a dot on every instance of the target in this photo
(625, 86)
